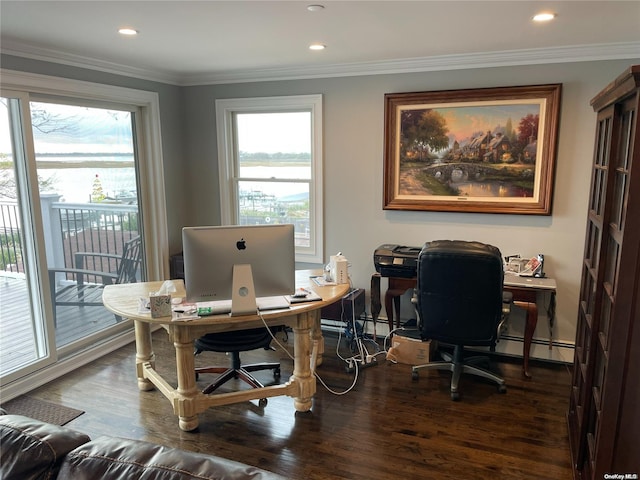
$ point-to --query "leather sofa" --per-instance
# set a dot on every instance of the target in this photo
(31, 449)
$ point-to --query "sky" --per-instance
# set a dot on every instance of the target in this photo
(98, 130)
(5, 139)
(465, 120)
(73, 129)
(287, 132)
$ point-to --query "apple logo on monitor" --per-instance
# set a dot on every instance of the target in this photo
(241, 244)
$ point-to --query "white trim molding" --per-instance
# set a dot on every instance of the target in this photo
(505, 58)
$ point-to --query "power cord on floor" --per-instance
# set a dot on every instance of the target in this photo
(362, 357)
(358, 344)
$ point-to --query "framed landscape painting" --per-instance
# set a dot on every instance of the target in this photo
(489, 150)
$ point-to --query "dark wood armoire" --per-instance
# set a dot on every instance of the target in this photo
(604, 409)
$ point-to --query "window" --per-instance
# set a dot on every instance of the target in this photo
(270, 164)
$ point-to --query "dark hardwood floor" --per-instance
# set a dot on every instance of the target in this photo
(387, 427)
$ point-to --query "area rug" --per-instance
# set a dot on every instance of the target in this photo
(41, 410)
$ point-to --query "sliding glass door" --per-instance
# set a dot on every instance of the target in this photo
(69, 213)
(88, 192)
(74, 159)
(26, 338)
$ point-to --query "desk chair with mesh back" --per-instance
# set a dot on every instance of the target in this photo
(459, 302)
(234, 343)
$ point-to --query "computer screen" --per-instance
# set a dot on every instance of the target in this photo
(211, 252)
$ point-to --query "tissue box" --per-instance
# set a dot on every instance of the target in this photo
(160, 305)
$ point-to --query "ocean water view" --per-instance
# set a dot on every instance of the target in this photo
(76, 184)
(73, 177)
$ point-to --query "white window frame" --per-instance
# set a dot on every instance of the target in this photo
(225, 111)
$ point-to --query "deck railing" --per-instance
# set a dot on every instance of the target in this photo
(10, 243)
(69, 228)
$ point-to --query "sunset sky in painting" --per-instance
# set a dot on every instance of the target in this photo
(465, 120)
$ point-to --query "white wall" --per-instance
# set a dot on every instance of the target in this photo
(355, 222)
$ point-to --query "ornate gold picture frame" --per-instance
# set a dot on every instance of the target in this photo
(489, 150)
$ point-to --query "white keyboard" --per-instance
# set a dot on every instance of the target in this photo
(220, 307)
(272, 303)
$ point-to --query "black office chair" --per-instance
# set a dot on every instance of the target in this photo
(459, 302)
(234, 343)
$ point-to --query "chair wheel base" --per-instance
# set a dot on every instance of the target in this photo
(502, 388)
(262, 402)
(455, 396)
(414, 375)
(276, 374)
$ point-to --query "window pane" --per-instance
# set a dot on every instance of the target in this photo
(22, 338)
(276, 202)
(274, 145)
(85, 161)
(270, 165)
(86, 154)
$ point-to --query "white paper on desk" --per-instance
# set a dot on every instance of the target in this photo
(144, 305)
(183, 317)
(321, 282)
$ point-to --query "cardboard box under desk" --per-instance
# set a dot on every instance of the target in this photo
(410, 351)
(343, 310)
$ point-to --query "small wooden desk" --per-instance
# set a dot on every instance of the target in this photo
(525, 294)
(186, 399)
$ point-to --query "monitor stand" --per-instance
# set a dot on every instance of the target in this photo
(243, 297)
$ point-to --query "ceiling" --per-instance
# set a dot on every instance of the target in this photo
(200, 42)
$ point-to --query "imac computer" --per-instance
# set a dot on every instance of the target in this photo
(240, 268)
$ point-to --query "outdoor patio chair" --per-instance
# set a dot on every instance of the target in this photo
(78, 291)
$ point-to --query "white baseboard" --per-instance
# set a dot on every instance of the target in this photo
(509, 345)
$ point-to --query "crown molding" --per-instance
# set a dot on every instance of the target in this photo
(55, 56)
(533, 56)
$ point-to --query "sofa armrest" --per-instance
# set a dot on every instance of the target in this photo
(32, 449)
(113, 457)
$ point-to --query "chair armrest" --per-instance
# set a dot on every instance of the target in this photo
(80, 256)
(107, 278)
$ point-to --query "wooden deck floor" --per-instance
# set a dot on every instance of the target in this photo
(388, 427)
(17, 345)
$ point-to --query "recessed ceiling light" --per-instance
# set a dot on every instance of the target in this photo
(127, 31)
(544, 17)
(317, 46)
(315, 8)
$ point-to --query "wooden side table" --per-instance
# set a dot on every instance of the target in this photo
(397, 287)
